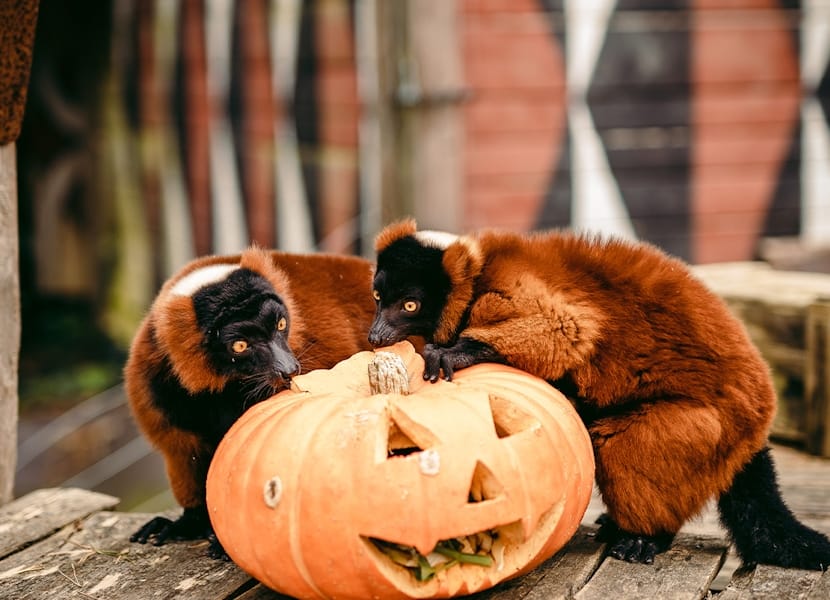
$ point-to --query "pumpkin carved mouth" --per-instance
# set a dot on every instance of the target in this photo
(492, 552)
(463, 562)
(484, 549)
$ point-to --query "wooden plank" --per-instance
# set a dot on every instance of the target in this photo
(787, 314)
(95, 559)
(558, 577)
(821, 589)
(817, 378)
(684, 572)
(758, 281)
(765, 581)
(42, 512)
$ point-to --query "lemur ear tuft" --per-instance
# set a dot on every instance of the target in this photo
(462, 261)
(394, 232)
(260, 261)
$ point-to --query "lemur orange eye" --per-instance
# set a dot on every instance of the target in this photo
(376, 295)
(239, 346)
(282, 324)
(410, 306)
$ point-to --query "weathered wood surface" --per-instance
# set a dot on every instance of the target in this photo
(92, 557)
(759, 281)
(769, 582)
(43, 512)
(787, 314)
(684, 572)
(64, 543)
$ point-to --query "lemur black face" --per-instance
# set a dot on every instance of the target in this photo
(246, 329)
(410, 288)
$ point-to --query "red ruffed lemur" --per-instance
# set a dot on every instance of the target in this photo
(677, 399)
(224, 333)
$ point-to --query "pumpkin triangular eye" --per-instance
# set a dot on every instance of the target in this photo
(510, 420)
(484, 485)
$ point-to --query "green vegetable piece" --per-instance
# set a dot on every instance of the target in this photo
(463, 557)
(424, 572)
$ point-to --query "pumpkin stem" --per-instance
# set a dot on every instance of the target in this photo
(387, 374)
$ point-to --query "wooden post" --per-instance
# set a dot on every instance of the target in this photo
(430, 97)
(423, 56)
(17, 34)
(817, 378)
(9, 320)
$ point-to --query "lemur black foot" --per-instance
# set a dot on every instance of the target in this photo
(631, 547)
(193, 524)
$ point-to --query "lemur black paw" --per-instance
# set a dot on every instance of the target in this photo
(191, 525)
(631, 547)
(215, 549)
(436, 360)
(464, 353)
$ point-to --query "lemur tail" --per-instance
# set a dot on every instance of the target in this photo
(762, 527)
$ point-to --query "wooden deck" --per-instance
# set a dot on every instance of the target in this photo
(70, 543)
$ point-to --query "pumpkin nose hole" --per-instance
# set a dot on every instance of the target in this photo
(484, 485)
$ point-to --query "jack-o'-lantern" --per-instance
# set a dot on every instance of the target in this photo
(364, 481)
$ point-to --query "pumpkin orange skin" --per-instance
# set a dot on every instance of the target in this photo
(325, 443)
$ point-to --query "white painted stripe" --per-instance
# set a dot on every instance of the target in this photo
(815, 41)
(815, 174)
(597, 202)
(586, 24)
(294, 229)
(370, 141)
(177, 233)
(229, 227)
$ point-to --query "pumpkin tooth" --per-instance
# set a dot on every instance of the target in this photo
(485, 541)
(465, 544)
(497, 552)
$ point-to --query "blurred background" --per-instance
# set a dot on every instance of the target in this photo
(159, 130)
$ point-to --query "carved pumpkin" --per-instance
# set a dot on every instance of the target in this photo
(309, 489)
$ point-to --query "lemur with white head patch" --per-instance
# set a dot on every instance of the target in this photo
(677, 399)
(227, 332)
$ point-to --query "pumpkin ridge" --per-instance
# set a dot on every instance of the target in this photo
(295, 543)
(270, 415)
(246, 427)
